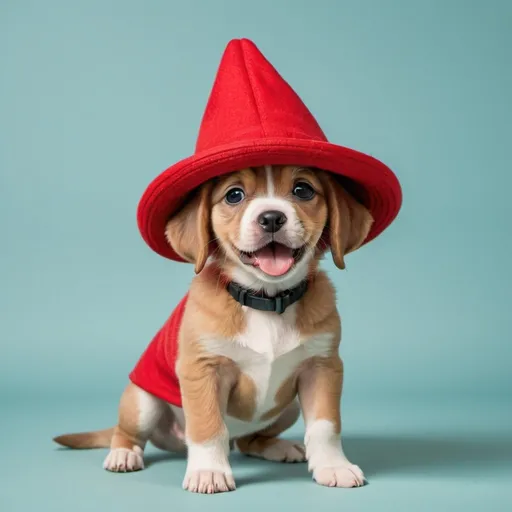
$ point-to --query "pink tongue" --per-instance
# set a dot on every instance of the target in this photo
(274, 261)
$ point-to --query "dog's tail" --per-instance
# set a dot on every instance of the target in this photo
(84, 440)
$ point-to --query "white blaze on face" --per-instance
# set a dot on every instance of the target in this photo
(270, 181)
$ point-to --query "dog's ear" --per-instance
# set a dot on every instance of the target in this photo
(349, 221)
(189, 231)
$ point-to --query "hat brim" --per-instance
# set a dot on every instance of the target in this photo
(373, 183)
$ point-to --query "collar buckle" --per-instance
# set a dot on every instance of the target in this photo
(280, 307)
(242, 294)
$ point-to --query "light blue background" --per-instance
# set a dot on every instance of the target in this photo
(97, 97)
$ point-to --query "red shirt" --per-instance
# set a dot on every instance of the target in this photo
(155, 371)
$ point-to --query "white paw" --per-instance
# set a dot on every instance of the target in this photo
(122, 460)
(208, 482)
(284, 451)
(348, 475)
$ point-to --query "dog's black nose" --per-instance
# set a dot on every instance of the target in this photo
(272, 221)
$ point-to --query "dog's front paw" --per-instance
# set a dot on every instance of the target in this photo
(347, 475)
(122, 460)
(208, 482)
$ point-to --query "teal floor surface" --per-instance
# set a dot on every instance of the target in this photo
(417, 458)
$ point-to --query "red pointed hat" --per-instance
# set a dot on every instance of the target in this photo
(254, 118)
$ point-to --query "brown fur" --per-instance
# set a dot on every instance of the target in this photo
(205, 395)
(284, 396)
(189, 229)
(320, 388)
(128, 433)
(242, 401)
(349, 221)
(86, 440)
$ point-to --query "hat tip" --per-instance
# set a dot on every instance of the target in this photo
(240, 41)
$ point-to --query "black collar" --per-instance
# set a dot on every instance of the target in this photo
(259, 301)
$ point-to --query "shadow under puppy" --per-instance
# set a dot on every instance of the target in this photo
(255, 341)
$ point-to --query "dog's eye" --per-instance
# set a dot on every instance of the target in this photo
(303, 191)
(235, 196)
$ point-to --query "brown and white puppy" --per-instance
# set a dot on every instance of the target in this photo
(246, 374)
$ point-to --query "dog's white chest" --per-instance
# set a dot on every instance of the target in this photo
(268, 334)
(269, 351)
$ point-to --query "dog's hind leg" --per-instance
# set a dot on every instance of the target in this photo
(169, 433)
(139, 414)
(266, 445)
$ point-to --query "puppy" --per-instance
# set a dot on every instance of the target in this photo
(255, 341)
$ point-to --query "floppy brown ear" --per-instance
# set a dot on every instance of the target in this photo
(349, 221)
(188, 231)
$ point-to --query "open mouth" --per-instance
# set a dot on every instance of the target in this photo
(274, 259)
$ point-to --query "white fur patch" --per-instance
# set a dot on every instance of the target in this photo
(270, 181)
(211, 455)
(208, 468)
(150, 410)
(270, 334)
(251, 237)
(326, 459)
(320, 345)
(323, 445)
(122, 460)
(208, 482)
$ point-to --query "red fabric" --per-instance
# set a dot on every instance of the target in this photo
(155, 372)
(252, 118)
